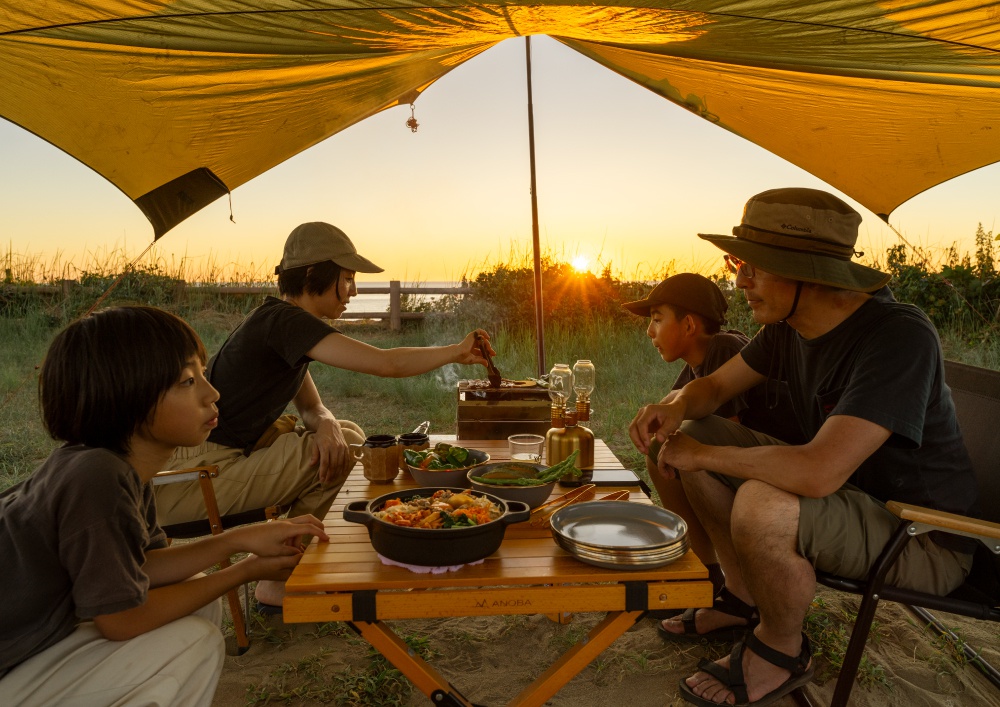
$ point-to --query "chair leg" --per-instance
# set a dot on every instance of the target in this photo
(239, 621)
(212, 509)
(866, 614)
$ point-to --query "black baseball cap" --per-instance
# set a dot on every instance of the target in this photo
(689, 291)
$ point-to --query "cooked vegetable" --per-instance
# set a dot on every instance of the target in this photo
(444, 509)
(567, 467)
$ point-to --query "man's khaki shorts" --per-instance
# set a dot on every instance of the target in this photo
(844, 533)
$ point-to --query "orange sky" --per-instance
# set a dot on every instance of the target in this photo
(624, 177)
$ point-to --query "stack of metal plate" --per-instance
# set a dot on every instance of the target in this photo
(619, 534)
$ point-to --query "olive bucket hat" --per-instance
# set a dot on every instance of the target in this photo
(802, 234)
(317, 242)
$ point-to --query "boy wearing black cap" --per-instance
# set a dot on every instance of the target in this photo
(686, 313)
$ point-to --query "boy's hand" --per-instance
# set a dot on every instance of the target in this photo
(279, 537)
(278, 569)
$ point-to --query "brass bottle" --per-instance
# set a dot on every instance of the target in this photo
(560, 442)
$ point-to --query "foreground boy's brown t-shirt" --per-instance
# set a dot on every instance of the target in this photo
(73, 539)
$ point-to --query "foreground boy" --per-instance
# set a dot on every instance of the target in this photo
(97, 609)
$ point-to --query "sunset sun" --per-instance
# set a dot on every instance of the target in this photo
(580, 263)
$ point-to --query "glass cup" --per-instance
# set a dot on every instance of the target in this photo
(526, 448)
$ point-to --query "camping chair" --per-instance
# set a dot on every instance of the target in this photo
(214, 525)
(976, 392)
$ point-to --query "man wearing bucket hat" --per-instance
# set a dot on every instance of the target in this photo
(866, 376)
(264, 459)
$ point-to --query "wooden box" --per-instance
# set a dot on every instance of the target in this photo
(497, 413)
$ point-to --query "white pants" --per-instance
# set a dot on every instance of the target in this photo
(175, 665)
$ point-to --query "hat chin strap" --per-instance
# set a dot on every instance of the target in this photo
(795, 302)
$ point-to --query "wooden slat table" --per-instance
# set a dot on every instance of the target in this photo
(344, 580)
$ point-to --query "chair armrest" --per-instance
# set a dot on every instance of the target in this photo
(947, 522)
(173, 476)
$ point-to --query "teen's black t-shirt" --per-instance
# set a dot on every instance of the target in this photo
(883, 364)
(260, 368)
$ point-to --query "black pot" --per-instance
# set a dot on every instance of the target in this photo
(434, 547)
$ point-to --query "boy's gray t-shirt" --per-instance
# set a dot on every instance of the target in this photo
(73, 539)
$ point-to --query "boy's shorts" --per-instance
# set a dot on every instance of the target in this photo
(844, 533)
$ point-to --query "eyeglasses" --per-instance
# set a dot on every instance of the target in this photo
(739, 267)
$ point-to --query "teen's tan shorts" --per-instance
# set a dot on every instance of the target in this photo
(843, 533)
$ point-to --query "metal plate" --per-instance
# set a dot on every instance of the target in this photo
(623, 560)
(620, 535)
(619, 525)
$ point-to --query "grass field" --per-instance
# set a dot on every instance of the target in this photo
(629, 374)
(628, 369)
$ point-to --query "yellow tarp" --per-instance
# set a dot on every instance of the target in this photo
(177, 102)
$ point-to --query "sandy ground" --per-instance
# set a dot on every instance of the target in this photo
(489, 660)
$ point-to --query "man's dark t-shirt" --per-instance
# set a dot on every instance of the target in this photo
(765, 408)
(260, 368)
(883, 364)
(73, 540)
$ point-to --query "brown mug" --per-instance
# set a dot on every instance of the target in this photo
(417, 441)
(381, 464)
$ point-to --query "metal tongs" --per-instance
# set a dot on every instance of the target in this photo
(492, 373)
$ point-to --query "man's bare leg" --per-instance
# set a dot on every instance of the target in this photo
(764, 526)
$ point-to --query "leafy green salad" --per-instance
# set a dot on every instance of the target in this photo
(443, 456)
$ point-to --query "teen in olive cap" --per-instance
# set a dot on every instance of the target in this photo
(263, 367)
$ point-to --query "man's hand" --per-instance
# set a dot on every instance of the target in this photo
(678, 453)
(651, 421)
(330, 451)
(279, 538)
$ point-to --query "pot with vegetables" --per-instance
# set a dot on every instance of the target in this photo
(436, 527)
(443, 465)
(517, 481)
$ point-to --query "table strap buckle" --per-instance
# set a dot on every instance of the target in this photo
(636, 596)
(363, 606)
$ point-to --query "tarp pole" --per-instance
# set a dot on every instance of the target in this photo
(536, 247)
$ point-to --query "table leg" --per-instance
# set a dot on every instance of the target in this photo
(416, 669)
(577, 658)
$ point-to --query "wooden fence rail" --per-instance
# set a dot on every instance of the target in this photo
(395, 290)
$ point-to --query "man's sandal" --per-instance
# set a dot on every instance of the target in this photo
(725, 602)
(799, 667)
